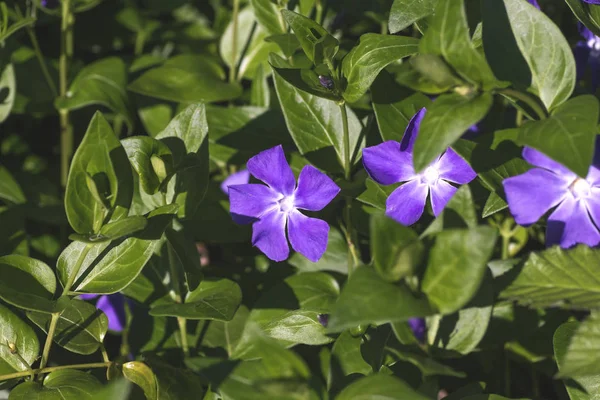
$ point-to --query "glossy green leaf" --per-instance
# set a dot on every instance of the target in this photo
(80, 328)
(448, 36)
(212, 299)
(367, 298)
(8, 91)
(545, 49)
(396, 249)
(140, 374)
(9, 188)
(335, 257)
(456, 266)
(67, 384)
(269, 16)
(376, 195)
(123, 227)
(27, 283)
(287, 42)
(182, 251)
(16, 332)
(186, 78)
(379, 386)
(558, 277)
(404, 13)
(102, 82)
(446, 120)
(581, 356)
(426, 365)
(155, 117)
(373, 53)
(100, 184)
(115, 390)
(568, 135)
(226, 334)
(260, 93)
(346, 355)
(151, 159)
(317, 43)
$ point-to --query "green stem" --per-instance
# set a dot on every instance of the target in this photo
(234, 43)
(177, 289)
(525, 98)
(347, 161)
(51, 369)
(66, 130)
(505, 243)
(76, 269)
(104, 353)
(49, 339)
(15, 353)
(319, 16)
(140, 40)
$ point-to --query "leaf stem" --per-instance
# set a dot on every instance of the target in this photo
(49, 339)
(234, 43)
(177, 294)
(527, 99)
(52, 369)
(66, 52)
(76, 269)
(140, 40)
(347, 161)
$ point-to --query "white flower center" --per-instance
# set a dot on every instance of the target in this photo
(580, 188)
(286, 204)
(594, 43)
(430, 176)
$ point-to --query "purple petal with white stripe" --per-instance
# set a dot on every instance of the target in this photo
(315, 189)
(271, 167)
(308, 236)
(406, 204)
(387, 164)
(268, 234)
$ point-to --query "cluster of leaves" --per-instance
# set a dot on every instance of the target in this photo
(177, 95)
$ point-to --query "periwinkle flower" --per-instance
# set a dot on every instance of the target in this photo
(577, 214)
(274, 206)
(49, 3)
(534, 3)
(113, 306)
(392, 162)
(587, 53)
(237, 178)
(592, 1)
(326, 82)
(418, 328)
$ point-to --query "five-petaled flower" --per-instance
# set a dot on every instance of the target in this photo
(418, 328)
(237, 178)
(392, 162)
(113, 306)
(276, 205)
(577, 200)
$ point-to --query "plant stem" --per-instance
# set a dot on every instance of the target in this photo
(346, 142)
(140, 39)
(177, 290)
(49, 339)
(525, 98)
(51, 369)
(234, 43)
(66, 130)
(505, 243)
(75, 271)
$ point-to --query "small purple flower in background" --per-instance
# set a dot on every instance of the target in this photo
(113, 306)
(326, 82)
(323, 319)
(237, 178)
(587, 53)
(577, 201)
(592, 1)
(274, 206)
(392, 162)
(534, 3)
(49, 3)
(418, 328)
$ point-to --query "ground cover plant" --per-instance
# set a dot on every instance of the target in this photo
(303, 199)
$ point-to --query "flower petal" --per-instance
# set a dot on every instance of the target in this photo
(585, 32)
(539, 159)
(315, 189)
(593, 205)
(237, 178)
(454, 168)
(268, 234)
(412, 130)
(532, 194)
(570, 224)
(251, 200)
(534, 3)
(88, 296)
(441, 193)
(406, 204)
(271, 167)
(308, 236)
(387, 164)
(114, 308)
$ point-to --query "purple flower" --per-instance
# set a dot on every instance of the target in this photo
(577, 201)
(49, 3)
(587, 53)
(113, 306)
(534, 3)
(592, 1)
(418, 328)
(392, 162)
(270, 208)
(326, 82)
(237, 178)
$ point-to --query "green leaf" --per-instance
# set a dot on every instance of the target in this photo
(568, 135)
(80, 328)
(376, 195)
(260, 92)
(8, 91)
(123, 227)
(396, 249)
(27, 283)
(316, 123)
(187, 138)
(583, 12)
(287, 42)
(426, 365)
(552, 277)
(318, 45)
(379, 386)
(367, 298)
(581, 357)
(183, 252)
(16, 332)
(347, 356)
(212, 299)
(335, 257)
(99, 168)
(66, 384)
(140, 374)
(404, 13)
(143, 152)
(585, 387)
(456, 266)
(102, 82)
(448, 36)
(9, 188)
(268, 15)
(448, 118)
(20, 24)
(394, 106)
(226, 334)
(546, 51)
(116, 390)
(187, 78)
(373, 53)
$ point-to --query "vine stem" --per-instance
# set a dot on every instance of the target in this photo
(51, 369)
(234, 43)
(49, 339)
(177, 289)
(525, 98)
(66, 130)
(347, 162)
